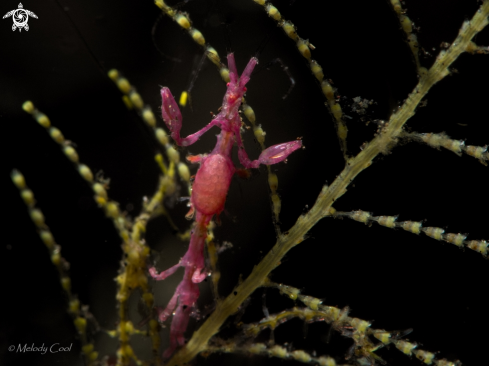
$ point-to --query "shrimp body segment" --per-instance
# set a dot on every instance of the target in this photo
(212, 184)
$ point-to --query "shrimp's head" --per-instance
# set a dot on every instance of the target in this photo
(236, 87)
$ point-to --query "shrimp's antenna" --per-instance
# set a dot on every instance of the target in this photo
(275, 61)
(229, 46)
(80, 35)
(285, 69)
(102, 69)
(262, 45)
(195, 74)
(227, 30)
(153, 32)
(181, 4)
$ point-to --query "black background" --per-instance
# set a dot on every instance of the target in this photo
(395, 278)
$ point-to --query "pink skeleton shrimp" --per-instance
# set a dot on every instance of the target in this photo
(209, 189)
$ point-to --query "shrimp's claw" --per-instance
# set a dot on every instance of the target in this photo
(277, 153)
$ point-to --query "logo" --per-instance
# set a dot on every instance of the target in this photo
(20, 17)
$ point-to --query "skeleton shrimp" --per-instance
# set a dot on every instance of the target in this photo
(209, 189)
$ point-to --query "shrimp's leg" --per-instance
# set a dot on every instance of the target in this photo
(173, 118)
(196, 158)
(162, 275)
(187, 293)
(165, 314)
(272, 155)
